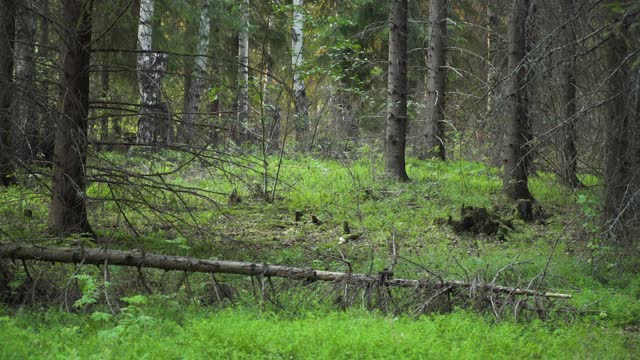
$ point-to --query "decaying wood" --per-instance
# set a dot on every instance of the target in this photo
(182, 263)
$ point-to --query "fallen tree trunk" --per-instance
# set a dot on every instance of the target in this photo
(182, 263)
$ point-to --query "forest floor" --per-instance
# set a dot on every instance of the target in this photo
(68, 311)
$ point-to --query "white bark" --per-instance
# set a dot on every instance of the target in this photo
(243, 68)
(199, 73)
(151, 68)
(301, 103)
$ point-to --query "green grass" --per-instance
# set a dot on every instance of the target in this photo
(241, 334)
(604, 325)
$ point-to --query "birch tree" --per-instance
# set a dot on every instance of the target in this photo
(436, 98)
(150, 68)
(396, 127)
(243, 69)
(194, 94)
(68, 210)
(299, 91)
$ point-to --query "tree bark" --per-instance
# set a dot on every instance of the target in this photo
(396, 127)
(7, 33)
(151, 68)
(183, 263)
(619, 192)
(192, 103)
(25, 124)
(299, 90)
(243, 71)
(68, 211)
(569, 152)
(515, 182)
(436, 84)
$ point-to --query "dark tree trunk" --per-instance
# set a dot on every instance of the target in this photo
(569, 152)
(515, 182)
(46, 132)
(619, 171)
(396, 127)
(436, 99)
(24, 109)
(7, 33)
(68, 212)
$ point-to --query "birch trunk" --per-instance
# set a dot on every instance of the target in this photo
(68, 212)
(396, 127)
(151, 67)
(515, 181)
(299, 91)
(271, 119)
(192, 103)
(7, 33)
(243, 71)
(24, 109)
(436, 99)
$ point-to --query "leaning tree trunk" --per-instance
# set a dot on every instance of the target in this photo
(436, 98)
(299, 92)
(192, 103)
(515, 181)
(7, 33)
(569, 152)
(68, 212)
(243, 71)
(24, 109)
(396, 127)
(151, 68)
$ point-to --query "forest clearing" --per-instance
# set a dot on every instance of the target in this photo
(328, 180)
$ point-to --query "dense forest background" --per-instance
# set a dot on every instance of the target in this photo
(356, 136)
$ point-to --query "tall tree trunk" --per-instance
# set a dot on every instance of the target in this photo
(243, 71)
(619, 172)
(515, 183)
(569, 152)
(24, 109)
(493, 45)
(299, 91)
(68, 212)
(7, 33)
(396, 127)
(436, 98)
(151, 68)
(192, 104)
(46, 132)
(271, 119)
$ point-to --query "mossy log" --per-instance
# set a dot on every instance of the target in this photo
(135, 258)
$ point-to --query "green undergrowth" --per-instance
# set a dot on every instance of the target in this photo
(242, 334)
(558, 252)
